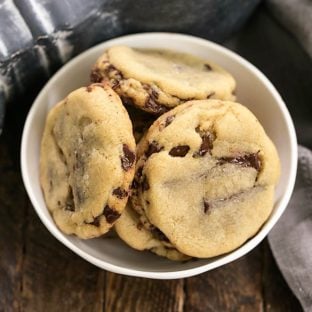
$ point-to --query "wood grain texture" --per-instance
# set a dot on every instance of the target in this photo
(53, 277)
(137, 294)
(13, 201)
(234, 287)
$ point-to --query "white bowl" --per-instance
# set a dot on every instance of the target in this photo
(254, 90)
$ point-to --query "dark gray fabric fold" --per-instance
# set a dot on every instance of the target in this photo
(291, 238)
(296, 17)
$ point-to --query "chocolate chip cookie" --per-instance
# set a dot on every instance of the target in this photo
(158, 80)
(133, 232)
(87, 161)
(205, 176)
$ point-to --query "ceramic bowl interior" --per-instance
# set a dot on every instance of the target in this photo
(253, 90)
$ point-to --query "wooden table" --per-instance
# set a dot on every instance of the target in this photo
(37, 273)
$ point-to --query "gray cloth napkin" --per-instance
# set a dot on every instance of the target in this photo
(291, 238)
(296, 17)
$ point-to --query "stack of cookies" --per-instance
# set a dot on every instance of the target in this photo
(190, 173)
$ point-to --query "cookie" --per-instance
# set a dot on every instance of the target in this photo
(205, 176)
(87, 161)
(131, 230)
(158, 80)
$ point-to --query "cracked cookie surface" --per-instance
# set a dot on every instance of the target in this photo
(87, 161)
(205, 176)
(158, 80)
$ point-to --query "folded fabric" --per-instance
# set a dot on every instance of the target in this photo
(296, 17)
(291, 238)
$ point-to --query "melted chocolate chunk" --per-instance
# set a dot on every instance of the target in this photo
(110, 214)
(158, 233)
(89, 88)
(154, 107)
(207, 142)
(96, 221)
(179, 151)
(249, 160)
(169, 120)
(145, 185)
(207, 67)
(206, 206)
(134, 185)
(69, 203)
(153, 148)
(128, 159)
(95, 75)
(120, 193)
(206, 145)
(154, 94)
(111, 68)
(115, 84)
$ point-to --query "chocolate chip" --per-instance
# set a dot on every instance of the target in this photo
(169, 120)
(151, 101)
(207, 67)
(95, 75)
(154, 94)
(69, 203)
(96, 221)
(110, 214)
(153, 147)
(145, 185)
(120, 193)
(206, 145)
(134, 185)
(154, 107)
(115, 84)
(140, 226)
(179, 151)
(249, 160)
(210, 95)
(59, 203)
(207, 141)
(206, 206)
(128, 159)
(158, 234)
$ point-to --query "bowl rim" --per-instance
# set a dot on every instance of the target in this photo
(224, 259)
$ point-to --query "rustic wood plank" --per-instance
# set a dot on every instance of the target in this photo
(277, 294)
(54, 278)
(234, 287)
(13, 201)
(137, 294)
